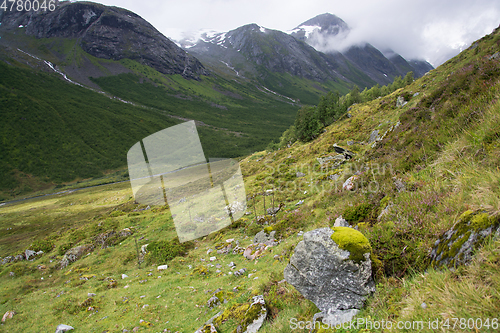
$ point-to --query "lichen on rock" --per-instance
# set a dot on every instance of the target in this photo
(250, 316)
(455, 246)
(322, 270)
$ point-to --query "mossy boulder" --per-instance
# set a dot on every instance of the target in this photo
(250, 316)
(456, 246)
(332, 268)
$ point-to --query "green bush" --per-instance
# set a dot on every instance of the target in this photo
(64, 248)
(358, 213)
(163, 251)
(44, 245)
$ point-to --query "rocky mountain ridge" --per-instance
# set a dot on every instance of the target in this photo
(303, 52)
(107, 33)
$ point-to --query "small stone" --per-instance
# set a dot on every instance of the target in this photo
(162, 267)
(373, 136)
(423, 305)
(124, 276)
(341, 222)
(300, 174)
(63, 328)
(91, 295)
(126, 287)
(8, 315)
(29, 253)
(349, 184)
(299, 203)
(145, 306)
(213, 258)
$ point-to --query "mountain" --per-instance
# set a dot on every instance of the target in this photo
(110, 33)
(267, 50)
(328, 33)
(304, 53)
(244, 93)
(315, 30)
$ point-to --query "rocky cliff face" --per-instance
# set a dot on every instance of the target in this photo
(280, 52)
(108, 33)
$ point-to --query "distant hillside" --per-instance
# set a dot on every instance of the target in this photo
(160, 83)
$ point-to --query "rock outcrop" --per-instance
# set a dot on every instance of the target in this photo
(332, 268)
(74, 254)
(108, 33)
(456, 246)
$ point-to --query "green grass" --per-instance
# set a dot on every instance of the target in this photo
(447, 170)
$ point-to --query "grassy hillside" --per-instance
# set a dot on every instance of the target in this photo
(55, 132)
(442, 147)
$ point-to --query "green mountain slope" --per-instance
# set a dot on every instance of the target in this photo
(434, 159)
(56, 132)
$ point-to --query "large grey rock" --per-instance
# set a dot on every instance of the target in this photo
(324, 274)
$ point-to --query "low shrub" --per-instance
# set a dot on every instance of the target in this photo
(163, 251)
(358, 213)
(44, 245)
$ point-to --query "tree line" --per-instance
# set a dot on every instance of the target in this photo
(311, 120)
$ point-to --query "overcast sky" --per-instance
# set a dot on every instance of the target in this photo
(434, 30)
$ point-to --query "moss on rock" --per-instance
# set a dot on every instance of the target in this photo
(455, 246)
(353, 241)
(245, 314)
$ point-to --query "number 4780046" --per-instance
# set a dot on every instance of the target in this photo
(28, 5)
